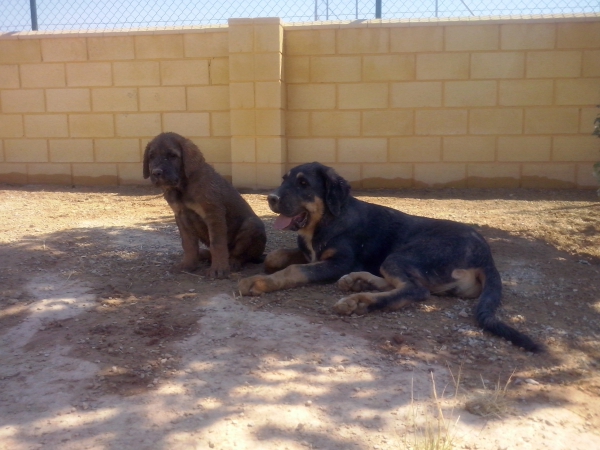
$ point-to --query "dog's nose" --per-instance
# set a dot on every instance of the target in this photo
(157, 172)
(273, 200)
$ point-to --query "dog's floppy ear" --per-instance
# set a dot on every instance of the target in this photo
(147, 161)
(337, 190)
(191, 157)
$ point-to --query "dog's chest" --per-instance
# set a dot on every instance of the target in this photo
(197, 208)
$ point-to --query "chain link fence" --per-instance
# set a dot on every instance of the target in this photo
(49, 15)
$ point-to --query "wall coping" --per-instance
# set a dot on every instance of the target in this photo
(364, 23)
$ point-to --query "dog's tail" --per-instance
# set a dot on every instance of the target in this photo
(485, 313)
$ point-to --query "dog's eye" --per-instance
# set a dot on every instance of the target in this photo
(303, 182)
(172, 156)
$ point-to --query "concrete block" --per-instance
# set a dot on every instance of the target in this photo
(15, 51)
(90, 125)
(419, 94)
(578, 35)
(363, 96)
(224, 169)
(206, 45)
(270, 150)
(184, 73)
(243, 149)
(110, 48)
(524, 148)
(243, 175)
(269, 122)
(162, 98)
(241, 67)
(387, 123)
(440, 175)
(137, 73)
(358, 41)
(442, 66)
(586, 120)
(335, 123)
(120, 99)
(95, 174)
(67, 49)
(46, 125)
(22, 100)
(268, 38)
(268, 94)
(130, 174)
(472, 37)
(551, 120)
(553, 64)
(493, 175)
(117, 150)
(575, 148)
(441, 122)
(362, 150)
(416, 149)
(42, 75)
(9, 76)
(469, 148)
(310, 42)
(350, 172)
(26, 150)
(68, 100)
(71, 150)
(498, 65)
(525, 92)
(389, 67)
(88, 75)
(188, 123)
(241, 38)
(417, 39)
(11, 125)
(337, 69)
(310, 149)
(49, 174)
(311, 96)
(580, 91)
(585, 176)
(243, 123)
(591, 64)
(219, 71)
(208, 98)
(164, 46)
(296, 69)
(548, 176)
(241, 95)
(297, 123)
(220, 125)
(268, 66)
(13, 173)
(527, 36)
(387, 176)
(496, 121)
(268, 176)
(470, 93)
(215, 150)
(137, 125)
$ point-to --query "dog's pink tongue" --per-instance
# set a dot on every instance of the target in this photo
(282, 222)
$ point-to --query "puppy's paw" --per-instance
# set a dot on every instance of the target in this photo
(345, 306)
(256, 285)
(185, 266)
(218, 272)
(352, 304)
(352, 283)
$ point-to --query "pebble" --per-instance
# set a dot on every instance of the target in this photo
(531, 381)
(463, 313)
(308, 403)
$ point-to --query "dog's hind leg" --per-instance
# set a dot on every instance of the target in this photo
(248, 244)
(363, 281)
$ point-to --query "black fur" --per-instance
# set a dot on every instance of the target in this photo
(416, 256)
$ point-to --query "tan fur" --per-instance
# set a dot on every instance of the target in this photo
(289, 277)
(316, 210)
(282, 258)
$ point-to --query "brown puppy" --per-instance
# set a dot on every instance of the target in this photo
(207, 207)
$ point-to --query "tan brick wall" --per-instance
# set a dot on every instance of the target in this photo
(477, 104)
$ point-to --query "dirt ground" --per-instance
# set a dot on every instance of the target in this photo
(103, 346)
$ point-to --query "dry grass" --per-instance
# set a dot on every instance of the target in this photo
(490, 403)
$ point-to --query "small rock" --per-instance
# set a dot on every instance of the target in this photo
(463, 313)
(211, 444)
(340, 368)
(531, 381)
(308, 403)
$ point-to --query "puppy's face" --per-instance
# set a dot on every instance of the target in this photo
(163, 161)
(307, 193)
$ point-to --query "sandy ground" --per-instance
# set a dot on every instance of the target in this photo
(102, 346)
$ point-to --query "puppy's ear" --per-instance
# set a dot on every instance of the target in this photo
(147, 161)
(192, 158)
(337, 190)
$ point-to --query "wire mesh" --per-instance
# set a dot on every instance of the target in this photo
(15, 15)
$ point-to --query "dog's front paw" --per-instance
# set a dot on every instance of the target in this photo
(351, 283)
(351, 304)
(185, 266)
(256, 285)
(218, 272)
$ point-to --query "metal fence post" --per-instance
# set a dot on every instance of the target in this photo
(378, 9)
(33, 7)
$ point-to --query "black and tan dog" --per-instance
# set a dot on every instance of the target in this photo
(207, 207)
(371, 247)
